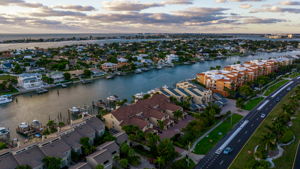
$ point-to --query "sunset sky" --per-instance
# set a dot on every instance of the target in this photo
(153, 16)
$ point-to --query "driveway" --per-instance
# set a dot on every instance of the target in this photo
(170, 132)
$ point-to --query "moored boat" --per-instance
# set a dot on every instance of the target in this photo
(5, 99)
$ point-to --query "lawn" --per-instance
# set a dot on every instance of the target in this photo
(207, 143)
(274, 87)
(252, 103)
(245, 157)
(294, 75)
(7, 77)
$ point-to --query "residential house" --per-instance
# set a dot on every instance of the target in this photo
(111, 146)
(82, 165)
(109, 66)
(30, 155)
(57, 76)
(30, 80)
(171, 58)
(72, 138)
(121, 137)
(57, 148)
(100, 157)
(144, 114)
(7, 160)
(86, 131)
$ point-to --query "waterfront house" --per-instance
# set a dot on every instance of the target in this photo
(86, 131)
(97, 72)
(101, 157)
(82, 165)
(72, 138)
(57, 148)
(144, 114)
(7, 160)
(171, 58)
(30, 155)
(76, 73)
(57, 76)
(109, 66)
(30, 80)
(97, 125)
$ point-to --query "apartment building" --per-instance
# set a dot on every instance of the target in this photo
(233, 76)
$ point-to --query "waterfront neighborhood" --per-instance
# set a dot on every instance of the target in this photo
(166, 127)
(149, 84)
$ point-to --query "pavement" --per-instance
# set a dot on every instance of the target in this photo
(297, 159)
(170, 132)
(231, 106)
(239, 136)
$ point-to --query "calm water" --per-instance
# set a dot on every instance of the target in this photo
(43, 107)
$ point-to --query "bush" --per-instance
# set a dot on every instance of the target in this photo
(287, 137)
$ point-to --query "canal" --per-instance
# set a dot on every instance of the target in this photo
(57, 101)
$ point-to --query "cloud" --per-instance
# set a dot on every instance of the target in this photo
(245, 6)
(177, 2)
(123, 5)
(76, 7)
(20, 3)
(195, 16)
(255, 20)
(49, 12)
(276, 9)
(223, 1)
(290, 3)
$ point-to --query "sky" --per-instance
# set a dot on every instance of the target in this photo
(149, 16)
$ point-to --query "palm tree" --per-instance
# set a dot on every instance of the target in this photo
(52, 162)
(161, 124)
(269, 140)
(160, 161)
(177, 114)
(23, 167)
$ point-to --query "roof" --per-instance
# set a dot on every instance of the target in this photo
(55, 148)
(85, 130)
(100, 156)
(7, 161)
(32, 156)
(72, 139)
(80, 166)
(136, 114)
(109, 146)
(95, 123)
(121, 137)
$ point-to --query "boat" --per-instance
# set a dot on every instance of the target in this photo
(137, 71)
(159, 67)
(23, 129)
(74, 110)
(41, 91)
(4, 133)
(112, 98)
(110, 77)
(86, 81)
(64, 85)
(5, 99)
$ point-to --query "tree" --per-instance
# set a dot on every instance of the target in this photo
(67, 76)
(160, 161)
(23, 167)
(2, 145)
(17, 69)
(177, 114)
(52, 162)
(123, 163)
(87, 73)
(245, 91)
(160, 124)
(99, 166)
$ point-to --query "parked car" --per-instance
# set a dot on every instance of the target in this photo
(277, 99)
(262, 115)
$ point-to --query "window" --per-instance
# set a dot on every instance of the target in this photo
(105, 162)
(114, 152)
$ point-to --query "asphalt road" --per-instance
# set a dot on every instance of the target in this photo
(297, 160)
(223, 161)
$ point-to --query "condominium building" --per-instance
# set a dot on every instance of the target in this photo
(236, 75)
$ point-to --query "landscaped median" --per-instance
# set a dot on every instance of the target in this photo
(252, 103)
(208, 142)
(274, 87)
(246, 157)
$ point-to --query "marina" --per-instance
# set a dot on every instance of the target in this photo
(55, 103)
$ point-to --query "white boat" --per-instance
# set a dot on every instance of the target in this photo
(138, 71)
(5, 99)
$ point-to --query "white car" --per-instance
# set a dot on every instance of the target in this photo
(262, 115)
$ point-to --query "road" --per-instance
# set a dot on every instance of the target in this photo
(297, 159)
(238, 137)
